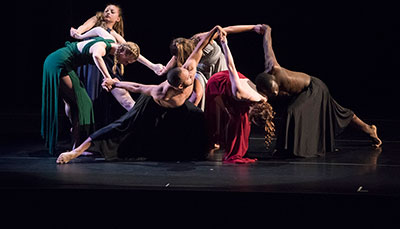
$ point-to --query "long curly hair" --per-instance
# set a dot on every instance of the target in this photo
(262, 114)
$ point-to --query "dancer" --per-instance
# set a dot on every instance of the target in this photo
(59, 77)
(112, 21)
(212, 61)
(232, 93)
(313, 117)
(162, 124)
(106, 109)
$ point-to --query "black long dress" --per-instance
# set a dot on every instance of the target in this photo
(154, 132)
(311, 122)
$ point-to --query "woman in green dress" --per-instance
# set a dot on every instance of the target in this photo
(60, 79)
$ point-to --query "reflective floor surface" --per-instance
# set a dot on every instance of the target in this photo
(356, 180)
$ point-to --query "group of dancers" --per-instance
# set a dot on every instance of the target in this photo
(204, 103)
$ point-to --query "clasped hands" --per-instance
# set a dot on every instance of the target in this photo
(108, 83)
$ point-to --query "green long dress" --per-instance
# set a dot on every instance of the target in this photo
(63, 62)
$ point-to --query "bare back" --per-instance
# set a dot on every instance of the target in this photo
(290, 82)
(171, 97)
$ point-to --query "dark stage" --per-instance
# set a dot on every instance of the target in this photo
(352, 47)
(356, 184)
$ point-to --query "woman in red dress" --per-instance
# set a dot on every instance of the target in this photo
(231, 94)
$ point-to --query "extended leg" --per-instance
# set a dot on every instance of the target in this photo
(371, 130)
(67, 92)
(68, 156)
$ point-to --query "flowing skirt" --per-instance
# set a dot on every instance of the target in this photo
(228, 125)
(313, 120)
(153, 132)
(59, 63)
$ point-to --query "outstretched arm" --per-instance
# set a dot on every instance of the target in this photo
(157, 68)
(156, 91)
(85, 26)
(240, 28)
(95, 32)
(236, 29)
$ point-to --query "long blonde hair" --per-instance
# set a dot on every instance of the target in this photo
(118, 26)
(128, 48)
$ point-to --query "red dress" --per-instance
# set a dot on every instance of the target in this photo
(234, 121)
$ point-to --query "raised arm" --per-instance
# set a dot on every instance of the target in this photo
(194, 58)
(269, 55)
(171, 64)
(233, 75)
(241, 89)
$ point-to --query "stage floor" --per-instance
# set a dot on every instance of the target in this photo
(354, 169)
(356, 173)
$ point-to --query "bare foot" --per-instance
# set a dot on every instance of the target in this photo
(216, 146)
(86, 153)
(66, 157)
(240, 161)
(374, 136)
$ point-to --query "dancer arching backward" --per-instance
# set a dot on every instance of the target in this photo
(59, 77)
(162, 124)
(106, 109)
(111, 20)
(231, 92)
(313, 117)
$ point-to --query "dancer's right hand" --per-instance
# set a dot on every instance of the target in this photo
(158, 69)
(222, 37)
(108, 84)
(261, 28)
(74, 33)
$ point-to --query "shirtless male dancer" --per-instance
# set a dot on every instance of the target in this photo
(313, 117)
(171, 93)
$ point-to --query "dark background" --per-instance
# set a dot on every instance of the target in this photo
(354, 48)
